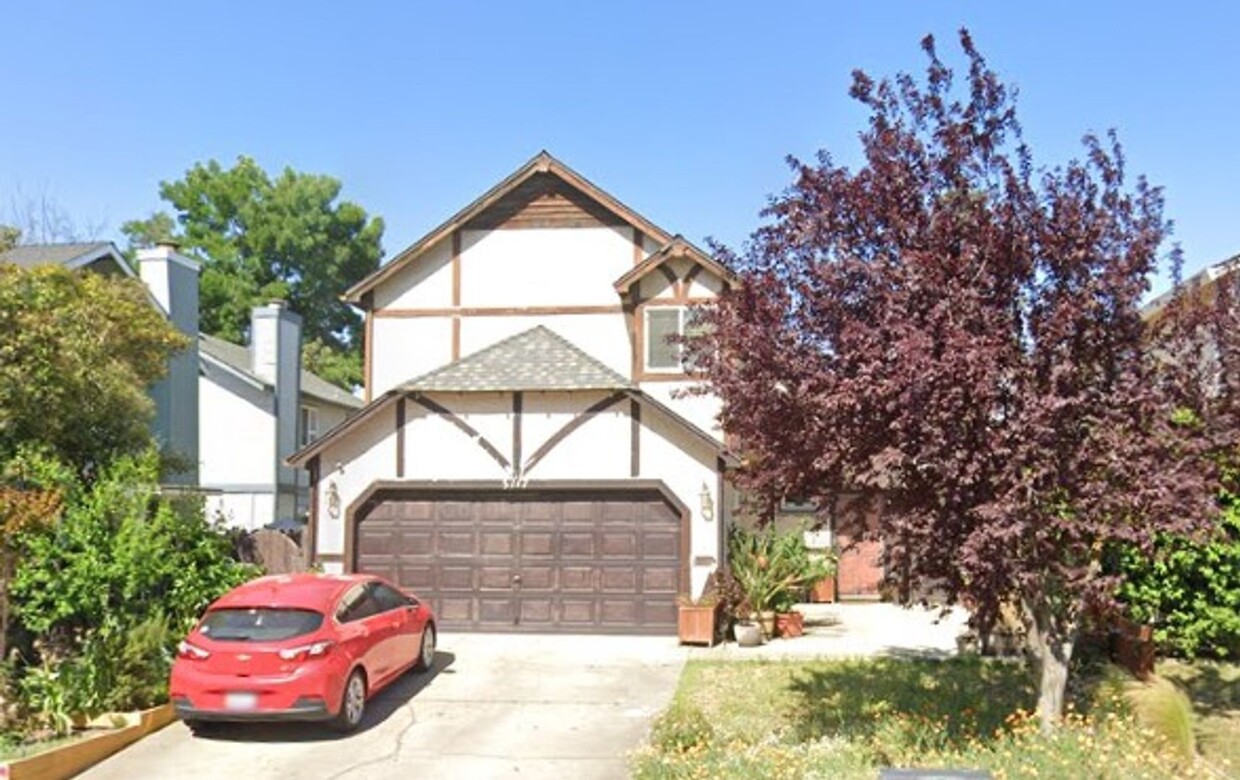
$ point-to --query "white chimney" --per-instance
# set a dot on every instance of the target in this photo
(172, 279)
(275, 356)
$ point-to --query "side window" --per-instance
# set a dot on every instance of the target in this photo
(356, 605)
(661, 325)
(387, 598)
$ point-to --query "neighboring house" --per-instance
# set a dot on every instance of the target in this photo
(232, 413)
(243, 472)
(525, 460)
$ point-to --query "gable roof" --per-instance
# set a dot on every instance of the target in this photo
(536, 359)
(542, 162)
(679, 246)
(71, 256)
(236, 358)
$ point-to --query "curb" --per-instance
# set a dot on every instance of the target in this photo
(71, 759)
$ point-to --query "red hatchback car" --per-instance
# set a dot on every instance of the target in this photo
(300, 647)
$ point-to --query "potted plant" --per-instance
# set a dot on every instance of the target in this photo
(773, 569)
(697, 619)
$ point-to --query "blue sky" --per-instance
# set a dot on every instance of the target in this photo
(685, 111)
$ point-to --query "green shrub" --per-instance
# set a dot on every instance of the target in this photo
(108, 591)
(682, 727)
(1190, 591)
(120, 554)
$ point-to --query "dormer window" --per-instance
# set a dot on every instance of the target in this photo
(663, 324)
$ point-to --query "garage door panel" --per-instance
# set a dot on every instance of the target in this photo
(609, 561)
(496, 543)
(455, 543)
(656, 545)
(575, 578)
(622, 544)
(537, 543)
(623, 580)
(577, 544)
(659, 580)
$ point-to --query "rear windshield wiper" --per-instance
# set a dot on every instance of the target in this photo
(230, 637)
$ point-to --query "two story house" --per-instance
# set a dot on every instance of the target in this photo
(525, 460)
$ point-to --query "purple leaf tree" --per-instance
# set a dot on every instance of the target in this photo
(956, 331)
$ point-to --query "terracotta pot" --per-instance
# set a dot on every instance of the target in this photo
(790, 625)
(748, 633)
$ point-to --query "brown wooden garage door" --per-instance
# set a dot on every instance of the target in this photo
(596, 562)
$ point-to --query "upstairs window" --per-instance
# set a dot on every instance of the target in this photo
(309, 424)
(664, 324)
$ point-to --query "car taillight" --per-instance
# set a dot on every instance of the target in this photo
(315, 650)
(192, 652)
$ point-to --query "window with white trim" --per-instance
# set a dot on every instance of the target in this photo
(309, 424)
(663, 354)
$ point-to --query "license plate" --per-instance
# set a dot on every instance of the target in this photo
(240, 700)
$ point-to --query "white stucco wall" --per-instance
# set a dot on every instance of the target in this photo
(237, 449)
(426, 283)
(701, 410)
(405, 348)
(544, 267)
(350, 465)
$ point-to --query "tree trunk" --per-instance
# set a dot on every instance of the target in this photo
(1051, 638)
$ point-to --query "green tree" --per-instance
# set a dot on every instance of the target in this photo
(261, 238)
(77, 354)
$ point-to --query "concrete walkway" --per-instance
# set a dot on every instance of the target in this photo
(856, 630)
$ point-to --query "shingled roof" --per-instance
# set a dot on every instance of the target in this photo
(70, 256)
(237, 358)
(536, 359)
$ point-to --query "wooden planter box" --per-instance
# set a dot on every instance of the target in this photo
(823, 591)
(75, 757)
(698, 625)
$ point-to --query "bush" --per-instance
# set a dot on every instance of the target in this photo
(109, 590)
(1190, 591)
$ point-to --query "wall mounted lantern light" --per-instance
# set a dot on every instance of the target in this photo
(707, 503)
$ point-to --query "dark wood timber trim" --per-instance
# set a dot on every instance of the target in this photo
(368, 348)
(671, 278)
(517, 401)
(456, 293)
(498, 311)
(312, 527)
(400, 437)
(638, 253)
(686, 301)
(468, 489)
(581, 419)
(635, 438)
(721, 516)
(690, 277)
(465, 428)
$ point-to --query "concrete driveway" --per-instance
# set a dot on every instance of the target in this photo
(493, 706)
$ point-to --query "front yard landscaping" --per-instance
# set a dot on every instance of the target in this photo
(846, 719)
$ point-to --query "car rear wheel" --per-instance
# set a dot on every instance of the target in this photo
(352, 704)
(426, 656)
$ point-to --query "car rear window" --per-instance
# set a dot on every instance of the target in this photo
(259, 625)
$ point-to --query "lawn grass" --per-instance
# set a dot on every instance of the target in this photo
(847, 719)
(1214, 689)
